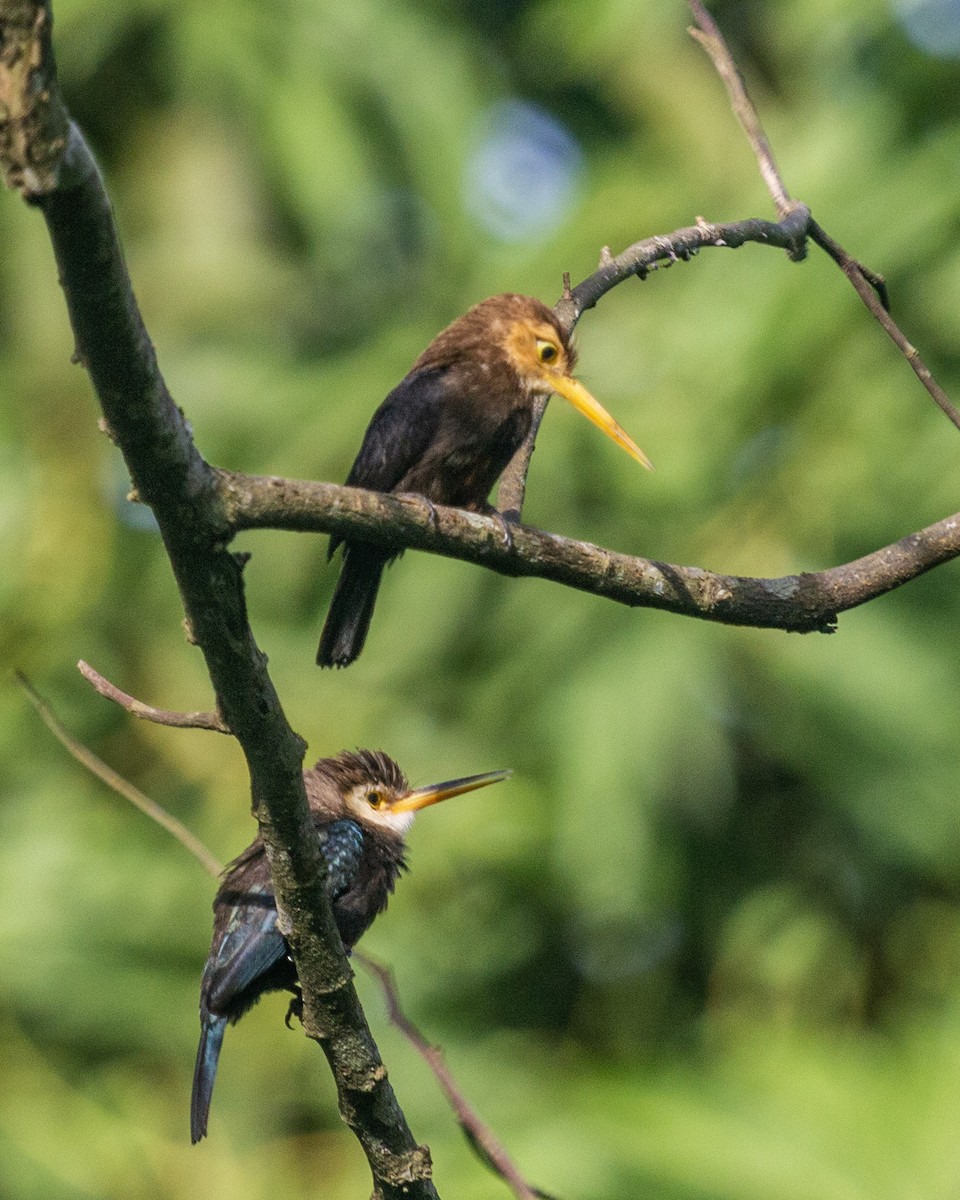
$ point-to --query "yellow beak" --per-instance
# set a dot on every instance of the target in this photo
(574, 391)
(443, 791)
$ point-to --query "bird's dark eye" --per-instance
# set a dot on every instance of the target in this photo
(546, 351)
(376, 799)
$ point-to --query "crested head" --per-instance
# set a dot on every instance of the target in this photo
(350, 768)
(368, 787)
(361, 785)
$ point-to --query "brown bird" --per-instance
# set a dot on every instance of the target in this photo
(449, 429)
(362, 808)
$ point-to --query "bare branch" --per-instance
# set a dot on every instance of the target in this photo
(169, 474)
(790, 234)
(123, 787)
(870, 287)
(798, 603)
(711, 39)
(33, 123)
(160, 716)
(866, 285)
(480, 1136)
(647, 256)
(513, 482)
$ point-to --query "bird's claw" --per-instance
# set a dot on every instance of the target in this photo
(504, 520)
(432, 512)
(432, 515)
(294, 1009)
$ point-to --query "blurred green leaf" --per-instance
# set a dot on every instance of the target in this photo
(706, 943)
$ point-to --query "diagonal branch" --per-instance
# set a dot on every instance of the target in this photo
(711, 39)
(480, 1136)
(169, 474)
(874, 296)
(870, 287)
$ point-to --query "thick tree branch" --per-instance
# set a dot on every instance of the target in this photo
(798, 603)
(33, 129)
(169, 474)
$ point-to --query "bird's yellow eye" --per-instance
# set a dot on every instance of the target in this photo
(376, 799)
(546, 351)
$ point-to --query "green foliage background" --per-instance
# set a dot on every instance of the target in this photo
(706, 944)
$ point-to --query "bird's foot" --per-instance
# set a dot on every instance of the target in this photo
(432, 512)
(504, 520)
(421, 499)
(295, 1009)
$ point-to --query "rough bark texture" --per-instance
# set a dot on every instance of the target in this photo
(169, 474)
(804, 603)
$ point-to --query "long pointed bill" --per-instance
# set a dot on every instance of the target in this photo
(443, 791)
(574, 391)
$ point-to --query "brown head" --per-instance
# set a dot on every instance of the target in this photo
(368, 787)
(523, 335)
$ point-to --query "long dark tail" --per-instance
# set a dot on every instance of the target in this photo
(212, 1029)
(351, 608)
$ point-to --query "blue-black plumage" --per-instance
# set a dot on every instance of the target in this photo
(362, 808)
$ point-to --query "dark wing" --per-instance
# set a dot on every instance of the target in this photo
(249, 947)
(400, 431)
(249, 954)
(246, 943)
(398, 435)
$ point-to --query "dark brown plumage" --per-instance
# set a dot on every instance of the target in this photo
(362, 808)
(449, 429)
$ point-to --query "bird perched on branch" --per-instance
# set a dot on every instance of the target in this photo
(449, 429)
(362, 808)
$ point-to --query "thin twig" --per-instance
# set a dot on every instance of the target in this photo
(512, 489)
(869, 286)
(160, 716)
(478, 1134)
(653, 253)
(711, 39)
(865, 284)
(120, 785)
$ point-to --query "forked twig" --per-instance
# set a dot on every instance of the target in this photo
(478, 1134)
(160, 716)
(121, 786)
(869, 286)
(791, 232)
